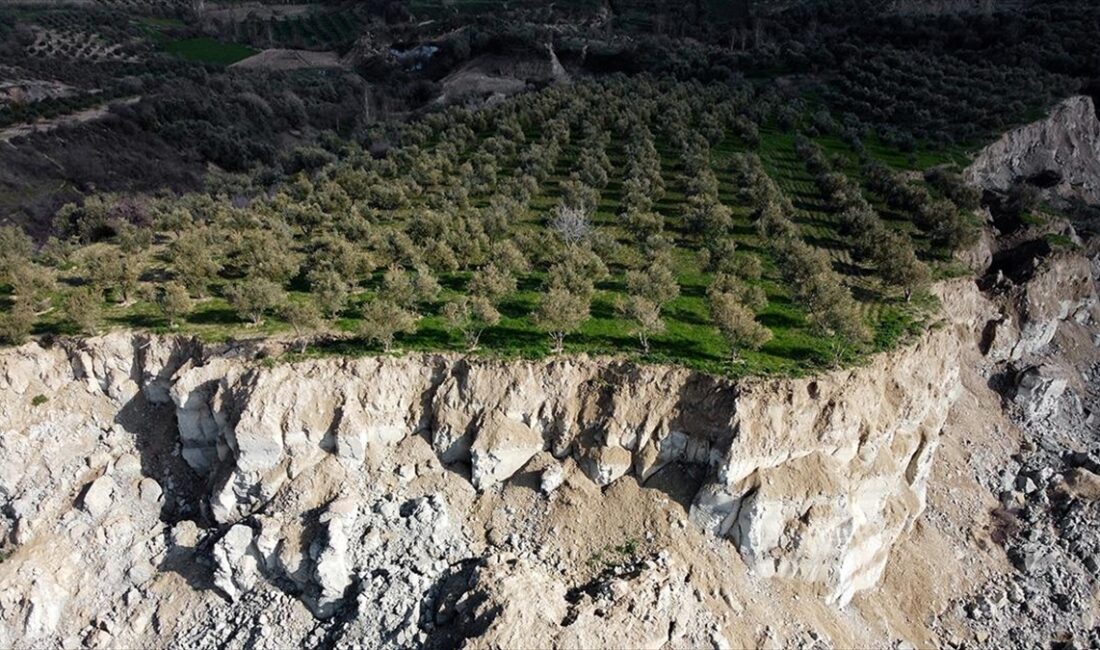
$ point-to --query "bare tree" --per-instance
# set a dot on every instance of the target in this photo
(572, 224)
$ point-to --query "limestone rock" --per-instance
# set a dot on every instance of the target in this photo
(150, 491)
(332, 572)
(605, 465)
(98, 498)
(45, 603)
(1065, 145)
(503, 445)
(234, 565)
(185, 534)
(1039, 392)
(552, 478)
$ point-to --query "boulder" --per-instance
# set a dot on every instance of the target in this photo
(605, 465)
(1083, 484)
(501, 447)
(99, 497)
(332, 571)
(234, 561)
(1039, 392)
(552, 478)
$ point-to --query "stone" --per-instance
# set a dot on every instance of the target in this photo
(150, 491)
(234, 567)
(1083, 484)
(501, 446)
(1038, 393)
(128, 466)
(605, 465)
(185, 534)
(98, 497)
(45, 602)
(332, 572)
(406, 473)
(551, 479)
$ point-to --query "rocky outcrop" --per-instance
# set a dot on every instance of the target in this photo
(1060, 152)
(1058, 289)
(812, 479)
(824, 474)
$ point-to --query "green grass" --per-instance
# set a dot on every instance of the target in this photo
(208, 50)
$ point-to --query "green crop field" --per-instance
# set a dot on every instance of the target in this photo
(208, 50)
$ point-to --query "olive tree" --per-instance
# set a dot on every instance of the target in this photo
(108, 270)
(898, 265)
(645, 318)
(82, 307)
(561, 312)
(492, 283)
(303, 316)
(657, 284)
(470, 316)
(16, 323)
(330, 292)
(174, 302)
(253, 298)
(737, 324)
(195, 261)
(381, 320)
(15, 249)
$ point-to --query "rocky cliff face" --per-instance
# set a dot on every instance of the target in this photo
(810, 478)
(204, 494)
(1060, 152)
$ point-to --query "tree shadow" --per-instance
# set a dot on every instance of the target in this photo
(214, 316)
(774, 321)
(504, 337)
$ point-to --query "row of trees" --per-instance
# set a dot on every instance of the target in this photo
(815, 285)
(889, 251)
(949, 229)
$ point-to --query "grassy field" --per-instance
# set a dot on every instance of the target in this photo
(208, 50)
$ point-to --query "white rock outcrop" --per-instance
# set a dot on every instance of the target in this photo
(1062, 288)
(814, 479)
(501, 447)
(234, 562)
(1064, 146)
